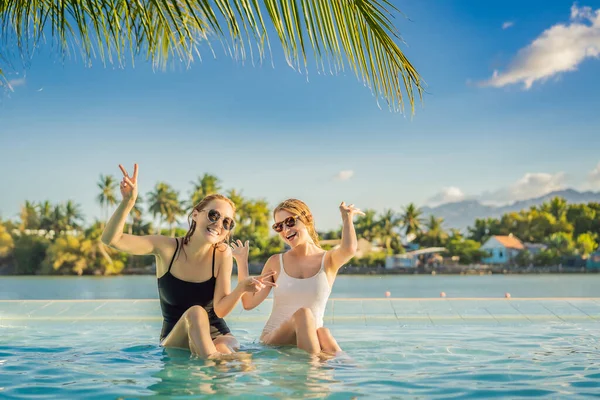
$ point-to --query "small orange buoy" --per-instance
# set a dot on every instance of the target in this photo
(507, 295)
(443, 294)
(388, 294)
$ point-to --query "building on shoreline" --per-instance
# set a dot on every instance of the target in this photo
(502, 249)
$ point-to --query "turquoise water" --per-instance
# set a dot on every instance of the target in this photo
(394, 348)
(400, 286)
(122, 360)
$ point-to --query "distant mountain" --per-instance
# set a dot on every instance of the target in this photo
(462, 214)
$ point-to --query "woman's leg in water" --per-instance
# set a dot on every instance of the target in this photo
(327, 341)
(192, 332)
(299, 330)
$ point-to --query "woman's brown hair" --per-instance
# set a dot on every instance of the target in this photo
(201, 206)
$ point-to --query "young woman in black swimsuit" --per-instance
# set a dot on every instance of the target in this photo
(194, 272)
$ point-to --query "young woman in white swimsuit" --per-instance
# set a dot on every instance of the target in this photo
(303, 278)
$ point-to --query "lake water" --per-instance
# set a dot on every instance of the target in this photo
(363, 286)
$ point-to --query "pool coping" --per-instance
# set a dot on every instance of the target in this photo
(355, 311)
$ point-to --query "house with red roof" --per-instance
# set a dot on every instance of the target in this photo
(502, 249)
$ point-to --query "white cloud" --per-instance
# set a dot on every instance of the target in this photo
(594, 177)
(344, 175)
(447, 195)
(507, 24)
(560, 48)
(532, 184)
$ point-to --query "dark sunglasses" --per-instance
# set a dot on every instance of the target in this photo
(290, 222)
(214, 216)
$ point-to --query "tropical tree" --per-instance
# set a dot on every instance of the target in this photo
(411, 219)
(435, 235)
(58, 221)
(483, 229)
(69, 254)
(30, 219)
(136, 214)
(366, 225)
(164, 203)
(203, 186)
(583, 218)
(557, 207)
(386, 230)
(468, 251)
(6, 242)
(359, 33)
(73, 215)
(102, 259)
(29, 253)
(586, 243)
(561, 243)
(107, 185)
(45, 209)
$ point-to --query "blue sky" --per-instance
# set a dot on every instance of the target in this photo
(529, 128)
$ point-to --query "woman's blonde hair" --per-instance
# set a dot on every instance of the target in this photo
(299, 208)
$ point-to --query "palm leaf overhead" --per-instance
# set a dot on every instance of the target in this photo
(339, 33)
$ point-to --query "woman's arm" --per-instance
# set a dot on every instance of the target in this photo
(224, 299)
(113, 232)
(267, 279)
(349, 244)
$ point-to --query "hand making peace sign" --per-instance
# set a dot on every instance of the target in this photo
(128, 186)
(350, 210)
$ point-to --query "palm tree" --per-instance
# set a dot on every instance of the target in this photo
(557, 207)
(58, 219)
(30, 218)
(483, 229)
(435, 235)
(136, 214)
(45, 215)
(107, 185)
(242, 213)
(205, 185)
(73, 215)
(358, 34)
(386, 229)
(366, 225)
(411, 219)
(163, 203)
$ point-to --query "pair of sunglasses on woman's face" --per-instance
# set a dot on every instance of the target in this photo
(214, 216)
(290, 222)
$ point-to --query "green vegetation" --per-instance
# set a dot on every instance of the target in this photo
(334, 35)
(51, 238)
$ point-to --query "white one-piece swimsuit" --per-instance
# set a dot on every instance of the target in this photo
(291, 294)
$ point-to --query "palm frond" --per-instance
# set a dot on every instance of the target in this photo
(340, 33)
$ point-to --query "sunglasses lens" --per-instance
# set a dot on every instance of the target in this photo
(228, 224)
(290, 222)
(213, 216)
(278, 227)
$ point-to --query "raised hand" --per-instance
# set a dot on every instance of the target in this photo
(240, 251)
(349, 211)
(256, 284)
(128, 186)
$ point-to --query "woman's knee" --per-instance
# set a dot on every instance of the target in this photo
(303, 314)
(196, 314)
(303, 317)
(323, 332)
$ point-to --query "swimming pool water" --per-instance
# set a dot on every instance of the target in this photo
(104, 359)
